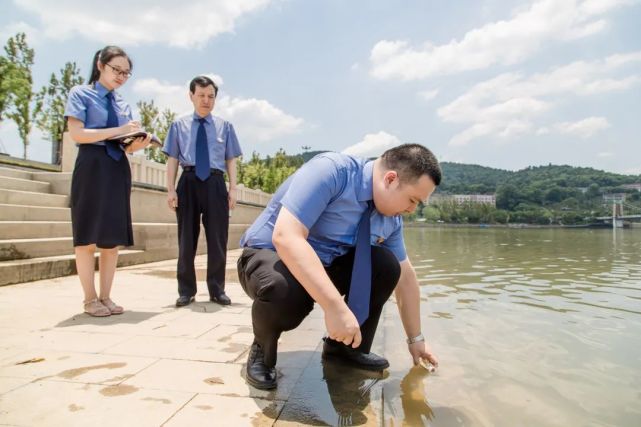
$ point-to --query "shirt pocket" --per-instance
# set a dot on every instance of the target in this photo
(381, 231)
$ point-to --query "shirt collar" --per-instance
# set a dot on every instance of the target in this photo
(208, 118)
(102, 91)
(365, 190)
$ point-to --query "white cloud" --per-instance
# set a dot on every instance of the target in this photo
(181, 24)
(373, 145)
(12, 28)
(605, 154)
(428, 95)
(164, 94)
(258, 120)
(583, 128)
(510, 103)
(503, 42)
(255, 120)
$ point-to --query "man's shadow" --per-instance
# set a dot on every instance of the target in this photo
(128, 317)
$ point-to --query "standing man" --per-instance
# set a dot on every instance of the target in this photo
(205, 146)
(334, 229)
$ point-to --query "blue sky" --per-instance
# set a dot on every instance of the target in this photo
(506, 84)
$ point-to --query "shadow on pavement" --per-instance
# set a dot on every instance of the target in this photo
(128, 317)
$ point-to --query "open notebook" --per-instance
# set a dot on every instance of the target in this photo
(127, 138)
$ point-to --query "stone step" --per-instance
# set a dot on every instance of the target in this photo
(15, 173)
(153, 237)
(30, 198)
(27, 270)
(13, 249)
(24, 184)
(34, 229)
(10, 212)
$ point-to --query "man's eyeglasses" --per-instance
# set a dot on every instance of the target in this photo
(119, 72)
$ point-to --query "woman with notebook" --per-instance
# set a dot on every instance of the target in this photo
(101, 182)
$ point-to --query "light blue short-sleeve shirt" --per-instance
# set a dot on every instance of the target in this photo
(328, 195)
(222, 141)
(88, 103)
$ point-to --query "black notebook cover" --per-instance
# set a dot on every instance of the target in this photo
(127, 138)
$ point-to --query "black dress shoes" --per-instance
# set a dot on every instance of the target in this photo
(259, 375)
(345, 354)
(184, 300)
(221, 299)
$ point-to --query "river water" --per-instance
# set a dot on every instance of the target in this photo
(533, 327)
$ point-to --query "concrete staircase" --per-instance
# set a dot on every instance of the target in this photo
(35, 227)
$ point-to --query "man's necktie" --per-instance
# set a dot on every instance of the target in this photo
(112, 147)
(202, 152)
(361, 284)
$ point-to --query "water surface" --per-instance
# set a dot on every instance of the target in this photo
(533, 327)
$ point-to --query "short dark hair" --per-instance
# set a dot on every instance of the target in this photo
(105, 55)
(202, 81)
(411, 161)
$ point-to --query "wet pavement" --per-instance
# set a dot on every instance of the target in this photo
(158, 365)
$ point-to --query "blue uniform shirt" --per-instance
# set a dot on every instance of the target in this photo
(88, 103)
(222, 142)
(328, 195)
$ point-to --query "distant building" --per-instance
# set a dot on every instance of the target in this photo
(486, 199)
(614, 197)
(636, 186)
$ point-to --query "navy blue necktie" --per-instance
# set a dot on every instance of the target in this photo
(361, 284)
(113, 148)
(202, 152)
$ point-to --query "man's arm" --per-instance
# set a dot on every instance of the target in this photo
(408, 298)
(231, 173)
(290, 240)
(172, 171)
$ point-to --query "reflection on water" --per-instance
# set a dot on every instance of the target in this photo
(533, 327)
(332, 394)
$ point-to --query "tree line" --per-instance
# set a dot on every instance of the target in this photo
(535, 195)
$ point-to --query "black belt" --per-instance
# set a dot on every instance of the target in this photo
(213, 171)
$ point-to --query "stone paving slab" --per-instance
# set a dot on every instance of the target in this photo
(226, 411)
(49, 403)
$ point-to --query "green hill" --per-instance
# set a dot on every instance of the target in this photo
(461, 178)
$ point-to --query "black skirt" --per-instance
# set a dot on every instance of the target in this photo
(100, 193)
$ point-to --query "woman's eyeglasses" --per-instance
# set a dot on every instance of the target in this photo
(119, 72)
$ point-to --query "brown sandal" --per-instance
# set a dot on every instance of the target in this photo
(96, 308)
(112, 306)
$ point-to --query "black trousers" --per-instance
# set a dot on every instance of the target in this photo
(206, 199)
(281, 302)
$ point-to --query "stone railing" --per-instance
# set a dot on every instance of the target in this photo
(154, 174)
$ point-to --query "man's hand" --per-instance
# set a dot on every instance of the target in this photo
(232, 198)
(172, 200)
(342, 325)
(421, 350)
